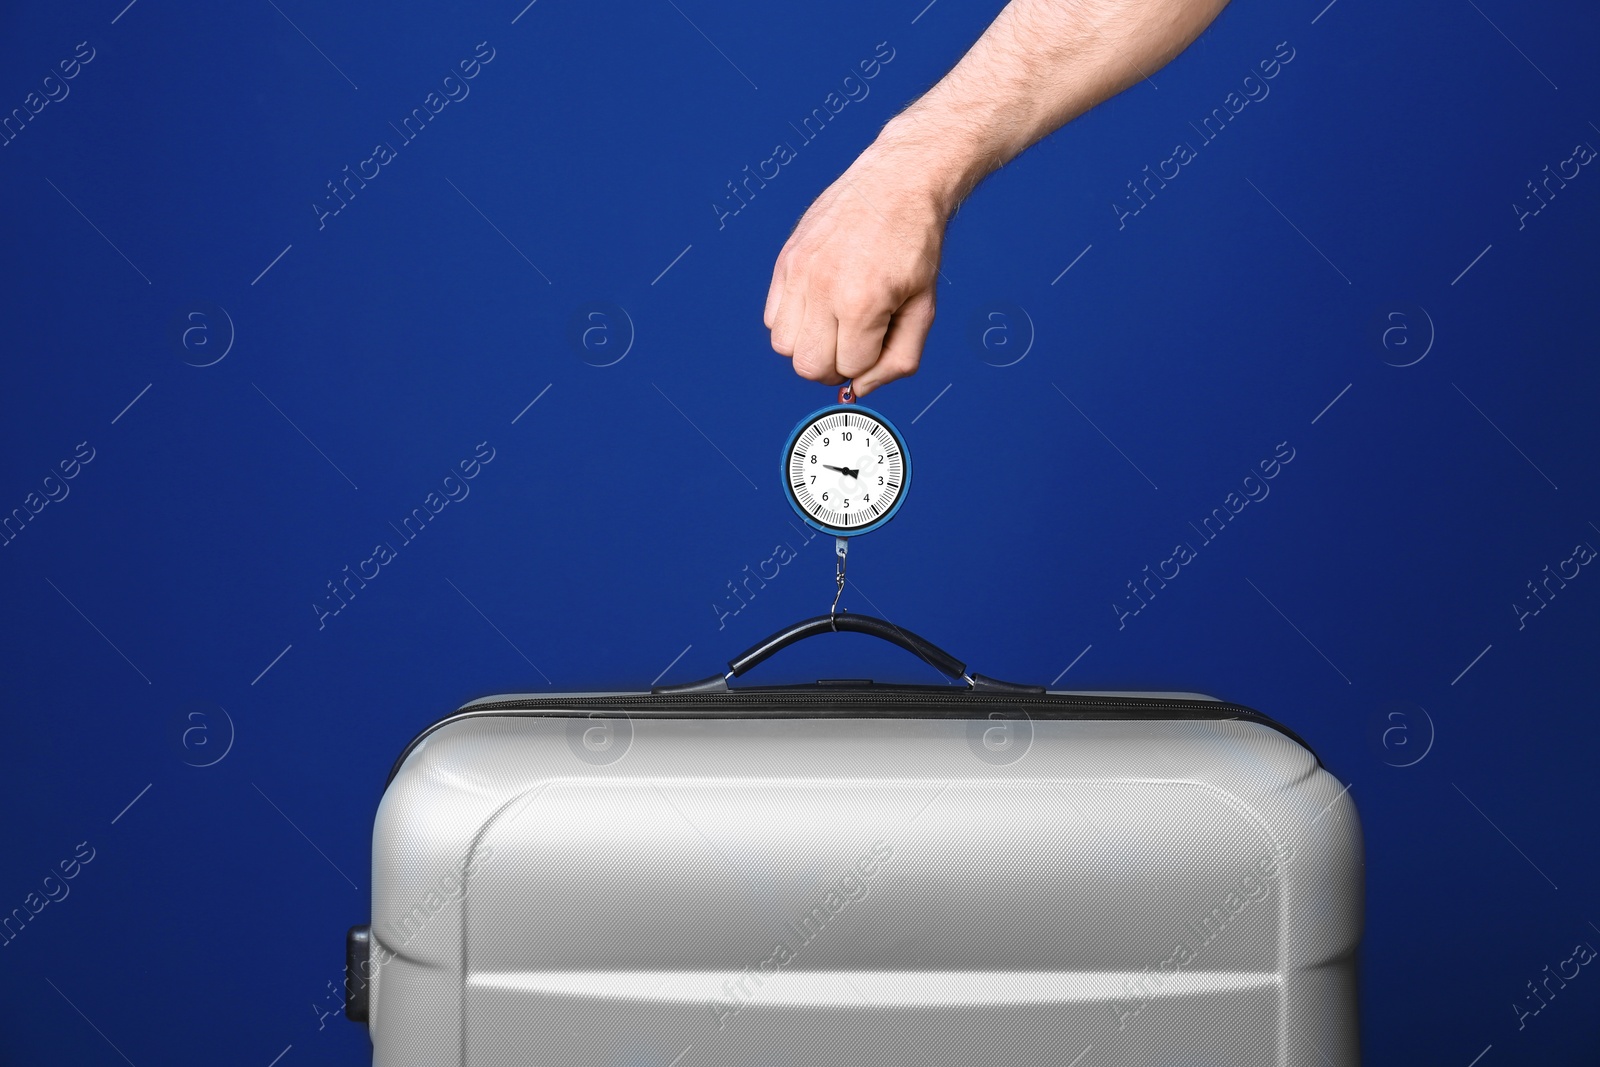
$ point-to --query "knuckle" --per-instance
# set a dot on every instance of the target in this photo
(903, 365)
(920, 312)
(855, 366)
(807, 365)
(858, 306)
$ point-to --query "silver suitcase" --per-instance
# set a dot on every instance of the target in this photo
(848, 873)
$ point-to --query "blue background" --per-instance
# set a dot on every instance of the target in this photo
(161, 615)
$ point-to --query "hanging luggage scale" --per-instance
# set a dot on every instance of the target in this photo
(846, 469)
(845, 472)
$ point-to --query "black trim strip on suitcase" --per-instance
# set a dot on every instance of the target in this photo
(903, 702)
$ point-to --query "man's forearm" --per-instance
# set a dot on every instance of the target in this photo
(1040, 64)
(854, 288)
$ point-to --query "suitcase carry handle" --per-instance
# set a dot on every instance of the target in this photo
(848, 622)
(938, 658)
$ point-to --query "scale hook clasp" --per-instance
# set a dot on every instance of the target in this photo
(841, 547)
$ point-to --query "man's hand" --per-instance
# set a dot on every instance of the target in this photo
(852, 291)
(852, 294)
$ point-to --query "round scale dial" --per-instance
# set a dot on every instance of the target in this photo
(846, 469)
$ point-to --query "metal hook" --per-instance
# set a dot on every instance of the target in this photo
(847, 393)
(840, 548)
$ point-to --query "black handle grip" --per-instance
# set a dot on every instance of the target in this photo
(847, 622)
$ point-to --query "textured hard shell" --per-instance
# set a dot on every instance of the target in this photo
(893, 891)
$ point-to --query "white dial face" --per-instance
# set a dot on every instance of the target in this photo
(846, 470)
